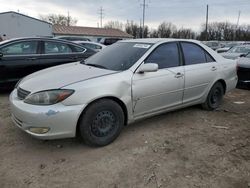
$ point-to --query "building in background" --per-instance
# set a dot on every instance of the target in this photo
(14, 25)
(92, 33)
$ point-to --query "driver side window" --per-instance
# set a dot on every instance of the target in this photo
(165, 55)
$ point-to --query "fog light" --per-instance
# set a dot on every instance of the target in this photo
(39, 130)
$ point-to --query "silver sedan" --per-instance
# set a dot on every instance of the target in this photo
(124, 83)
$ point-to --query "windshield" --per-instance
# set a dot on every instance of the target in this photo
(119, 56)
(239, 49)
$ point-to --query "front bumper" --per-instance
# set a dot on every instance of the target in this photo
(61, 120)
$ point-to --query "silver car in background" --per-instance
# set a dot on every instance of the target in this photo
(126, 82)
(236, 52)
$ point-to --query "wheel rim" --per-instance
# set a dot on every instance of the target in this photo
(215, 97)
(103, 124)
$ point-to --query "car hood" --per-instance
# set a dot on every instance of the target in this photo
(244, 62)
(231, 55)
(60, 76)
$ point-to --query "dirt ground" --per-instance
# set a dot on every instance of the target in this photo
(185, 148)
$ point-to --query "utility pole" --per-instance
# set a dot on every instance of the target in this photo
(143, 16)
(101, 16)
(237, 25)
(207, 24)
(68, 19)
(238, 20)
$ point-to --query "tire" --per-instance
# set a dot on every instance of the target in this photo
(214, 98)
(101, 123)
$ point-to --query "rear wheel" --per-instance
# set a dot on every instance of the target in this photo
(214, 98)
(102, 122)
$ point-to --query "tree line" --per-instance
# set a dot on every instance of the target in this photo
(221, 31)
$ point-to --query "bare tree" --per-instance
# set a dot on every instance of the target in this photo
(59, 19)
(114, 25)
(166, 29)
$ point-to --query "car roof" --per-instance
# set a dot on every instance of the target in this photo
(37, 38)
(88, 42)
(157, 40)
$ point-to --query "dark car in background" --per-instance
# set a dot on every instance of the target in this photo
(20, 57)
(109, 41)
(243, 72)
(73, 38)
(92, 45)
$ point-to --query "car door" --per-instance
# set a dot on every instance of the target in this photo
(18, 60)
(200, 71)
(57, 53)
(155, 91)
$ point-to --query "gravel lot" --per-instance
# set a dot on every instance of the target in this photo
(185, 148)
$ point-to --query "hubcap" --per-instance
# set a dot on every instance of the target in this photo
(103, 124)
(215, 97)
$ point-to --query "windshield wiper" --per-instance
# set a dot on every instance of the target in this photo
(96, 65)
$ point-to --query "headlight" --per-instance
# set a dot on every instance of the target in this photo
(48, 97)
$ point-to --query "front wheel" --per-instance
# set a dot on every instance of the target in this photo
(101, 123)
(214, 98)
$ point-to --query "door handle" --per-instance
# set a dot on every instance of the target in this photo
(179, 75)
(213, 68)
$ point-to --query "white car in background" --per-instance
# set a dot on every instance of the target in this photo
(92, 45)
(126, 82)
(236, 52)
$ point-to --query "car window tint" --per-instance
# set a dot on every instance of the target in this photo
(166, 56)
(20, 48)
(56, 47)
(193, 54)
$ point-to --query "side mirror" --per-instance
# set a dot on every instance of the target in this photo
(1, 55)
(148, 67)
(242, 55)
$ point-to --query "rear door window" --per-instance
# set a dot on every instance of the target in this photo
(51, 47)
(194, 54)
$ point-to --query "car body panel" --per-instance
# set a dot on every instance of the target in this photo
(142, 94)
(243, 72)
(55, 76)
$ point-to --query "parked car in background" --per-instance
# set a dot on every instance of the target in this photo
(226, 47)
(92, 45)
(109, 41)
(212, 44)
(243, 72)
(125, 82)
(20, 57)
(73, 38)
(236, 52)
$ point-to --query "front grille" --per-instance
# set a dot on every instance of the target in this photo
(22, 94)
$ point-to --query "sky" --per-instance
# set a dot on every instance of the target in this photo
(182, 13)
